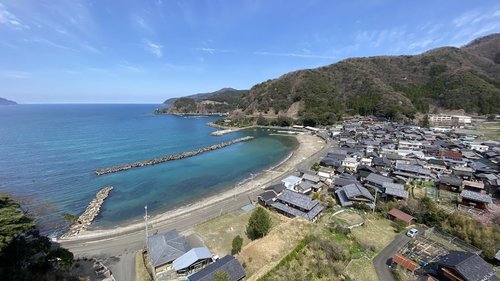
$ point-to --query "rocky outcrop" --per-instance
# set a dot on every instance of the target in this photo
(90, 213)
(171, 157)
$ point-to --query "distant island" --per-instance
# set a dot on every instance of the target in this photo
(402, 88)
(7, 102)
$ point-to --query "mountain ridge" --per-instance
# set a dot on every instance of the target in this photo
(392, 86)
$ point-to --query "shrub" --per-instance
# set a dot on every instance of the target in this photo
(237, 243)
(398, 225)
(361, 207)
(316, 166)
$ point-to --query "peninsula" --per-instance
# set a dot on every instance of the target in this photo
(4, 101)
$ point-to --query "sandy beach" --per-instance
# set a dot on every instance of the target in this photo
(116, 247)
(308, 145)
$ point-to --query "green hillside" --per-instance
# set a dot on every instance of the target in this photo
(465, 78)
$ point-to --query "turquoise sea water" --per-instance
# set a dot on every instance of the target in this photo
(48, 153)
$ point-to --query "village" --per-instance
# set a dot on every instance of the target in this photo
(397, 202)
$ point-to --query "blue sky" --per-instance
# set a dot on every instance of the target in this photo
(74, 51)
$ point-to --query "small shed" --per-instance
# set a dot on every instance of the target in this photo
(404, 262)
(396, 214)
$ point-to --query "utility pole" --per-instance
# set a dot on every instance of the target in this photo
(375, 202)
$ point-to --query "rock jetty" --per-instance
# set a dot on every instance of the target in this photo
(171, 157)
(90, 213)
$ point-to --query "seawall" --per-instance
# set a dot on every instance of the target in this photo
(90, 213)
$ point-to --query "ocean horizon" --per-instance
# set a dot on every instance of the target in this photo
(49, 154)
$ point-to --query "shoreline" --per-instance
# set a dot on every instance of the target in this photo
(244, 189)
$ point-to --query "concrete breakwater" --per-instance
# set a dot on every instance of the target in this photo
(171, 157)
(90, 213)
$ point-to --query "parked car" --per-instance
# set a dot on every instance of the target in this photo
(412, 232)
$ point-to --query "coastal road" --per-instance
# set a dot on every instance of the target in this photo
(117, 250)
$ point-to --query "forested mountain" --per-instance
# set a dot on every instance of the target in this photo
(222, 101)
(465, 78)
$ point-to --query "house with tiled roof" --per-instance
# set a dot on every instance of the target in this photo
(164, 248)
(464, 266)
(228, 264)
(354, 193)
(294, 204)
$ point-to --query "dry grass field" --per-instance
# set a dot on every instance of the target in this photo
(262, 255)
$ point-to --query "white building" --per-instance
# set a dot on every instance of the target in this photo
(478, 147)
(350, 164)
(291, 182)
(409, 145)
(450, 120)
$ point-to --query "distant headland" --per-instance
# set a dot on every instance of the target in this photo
(7, 102)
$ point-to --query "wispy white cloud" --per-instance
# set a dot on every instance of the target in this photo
(141, 22)
(48, 42)
(155, 49)
(10, 20)
(422, 44)
(126, 66)
(294, 55)
(467, 18)
(86, 46)
(306, 53)
(471, 25)
(14, 74)
(213, 50)
(475, 17)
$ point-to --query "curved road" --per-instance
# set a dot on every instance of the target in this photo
(118, 251)
(382, 261)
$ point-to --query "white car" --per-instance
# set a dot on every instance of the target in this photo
(412, 232)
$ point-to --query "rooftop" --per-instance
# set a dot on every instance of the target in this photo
(227, 264)
(450, 180)
(405, 262)
(166, 247)
(397, 192)
(378, 179)
(476, 196)
(401, 215)
(191, 257)
(470, 266)
(297, 199)
(355, 190)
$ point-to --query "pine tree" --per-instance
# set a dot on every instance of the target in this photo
(259, 224)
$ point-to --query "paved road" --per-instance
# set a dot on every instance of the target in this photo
(117, 251)
(383, 259)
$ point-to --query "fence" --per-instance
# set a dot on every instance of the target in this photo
(445, 237)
